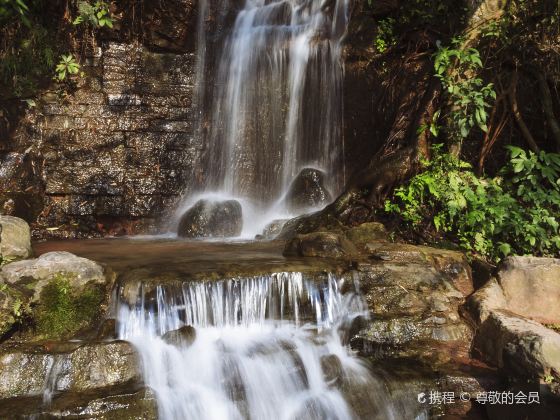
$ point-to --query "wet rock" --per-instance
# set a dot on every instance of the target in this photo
(113, 404)
(523, 347)
(531, 287)
(320, 244)
(15, 239)
(332, 369)
(33, 275)
(183, 337)
(108, 330)
(414, 305)
(307, 191)
(272, 230)
(366, 233)
(212, 219)
(28, 370)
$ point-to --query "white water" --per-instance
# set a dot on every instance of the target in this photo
(259, 347)
(276, 103)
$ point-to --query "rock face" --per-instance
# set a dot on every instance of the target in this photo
(32, 370)
(307, 191)
(212, 219)
(414, 294)
(15, 239)
(117, 153)
(37, 273)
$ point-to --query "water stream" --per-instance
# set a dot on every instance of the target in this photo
(266, 347)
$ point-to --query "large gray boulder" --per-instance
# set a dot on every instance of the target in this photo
(307, 191)
(506, 310)
(35, 274)
(212, 219)
(531, 287)
(15, 239)
(520, 345)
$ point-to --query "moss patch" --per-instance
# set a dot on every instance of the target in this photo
(64, 311)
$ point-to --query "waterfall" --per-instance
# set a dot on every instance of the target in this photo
(266, 347)
(275, 103)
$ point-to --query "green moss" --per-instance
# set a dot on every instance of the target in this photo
(63, 311)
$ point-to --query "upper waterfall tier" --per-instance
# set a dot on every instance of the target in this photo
(275, 104)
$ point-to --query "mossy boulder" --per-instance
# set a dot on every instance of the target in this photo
(63, 293)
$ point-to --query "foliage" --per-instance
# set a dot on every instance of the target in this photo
(469, 97)
(63, 311)
(96, 14)
(514, 213)
(10, 9)
(66, 66)
(23, 66)
(385, 36)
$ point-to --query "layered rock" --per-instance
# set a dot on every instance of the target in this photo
(33, 370)
(211, 219)
(414, 295)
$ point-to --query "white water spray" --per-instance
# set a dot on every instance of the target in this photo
(263, 350)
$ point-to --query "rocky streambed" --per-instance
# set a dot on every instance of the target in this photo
(423, 328)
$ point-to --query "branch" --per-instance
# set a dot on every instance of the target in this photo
(548, 108)
(518, 117)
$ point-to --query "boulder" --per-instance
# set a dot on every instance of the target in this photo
(212, 219)
(307, 191)
(33, 370)
(320, 244)
(414, 296)
(523, 347)
(15, 239)
(531, 287)
(33, 275)
(273, 229)
(183, 337)
(366, 233)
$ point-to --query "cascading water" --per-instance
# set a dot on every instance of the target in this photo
(275, 107)
(268, 347)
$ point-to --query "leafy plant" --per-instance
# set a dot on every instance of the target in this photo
(96, 14)
(469, 97)
(11, 8)
(66, 66)
(385, 36)
(514, 213)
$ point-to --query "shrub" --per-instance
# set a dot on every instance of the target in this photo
(513, 213)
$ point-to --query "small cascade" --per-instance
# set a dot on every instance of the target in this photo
(274, 107)
(266, 347)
